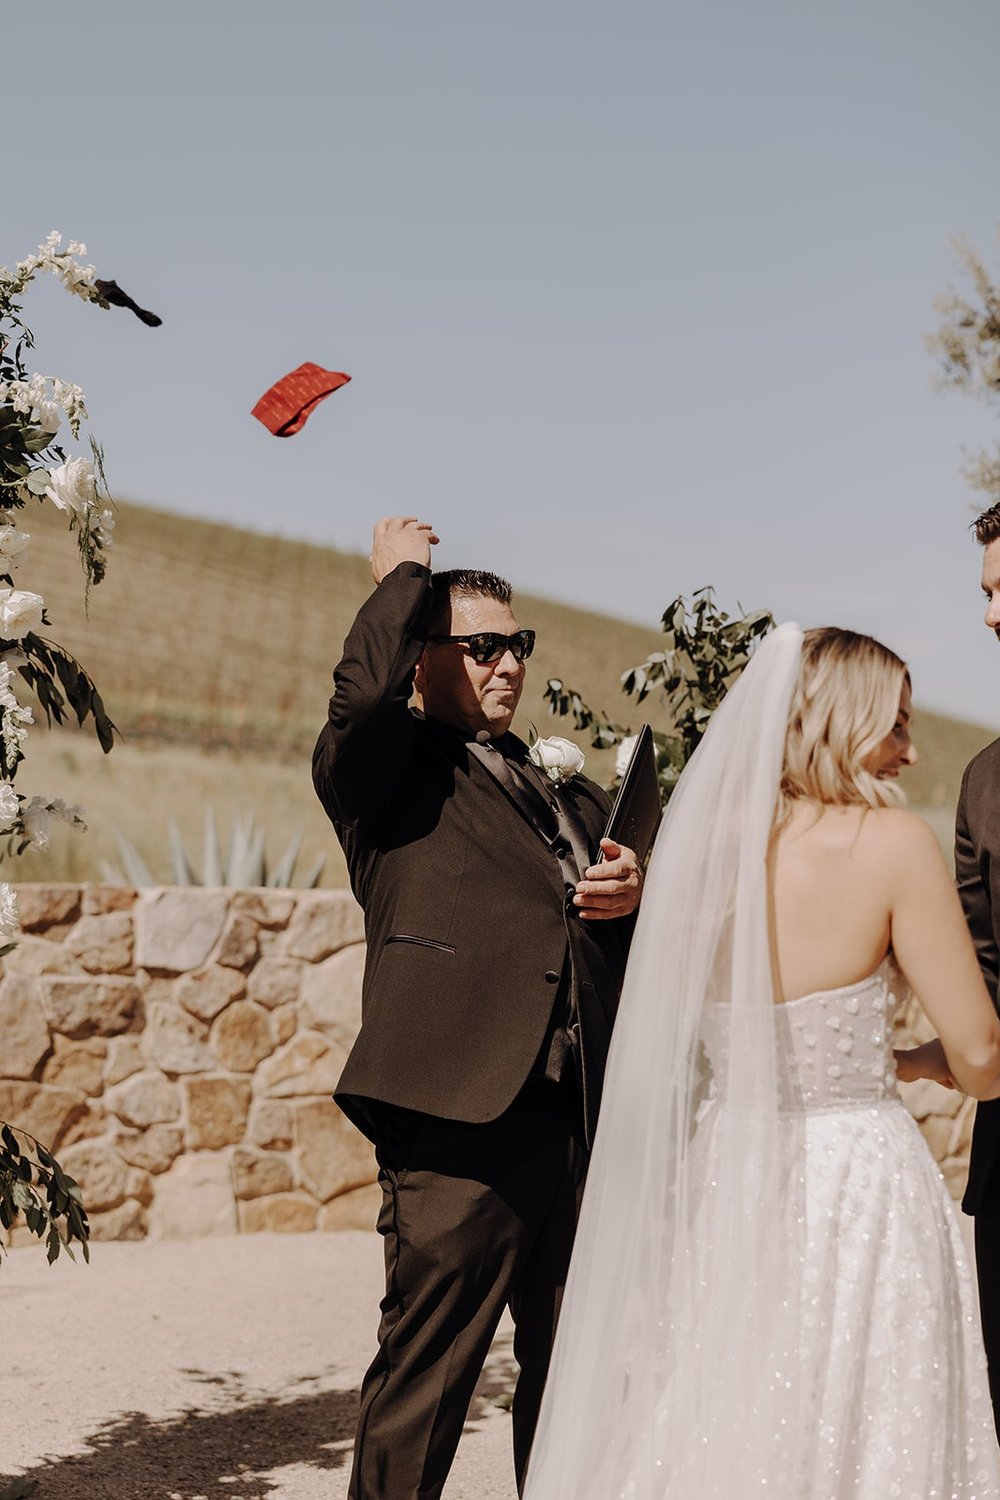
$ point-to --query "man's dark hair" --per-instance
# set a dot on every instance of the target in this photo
(463, 583)
(987, 526)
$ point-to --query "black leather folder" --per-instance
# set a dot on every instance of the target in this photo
(635, 816)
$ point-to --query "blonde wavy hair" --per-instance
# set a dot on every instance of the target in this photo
(844, 705)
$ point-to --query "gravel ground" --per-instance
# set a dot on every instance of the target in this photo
(201, 1369)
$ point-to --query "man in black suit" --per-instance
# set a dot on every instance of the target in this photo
(977, 868)
(496, 950)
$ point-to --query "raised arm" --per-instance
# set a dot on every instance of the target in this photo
(932, 946)
(364, 747)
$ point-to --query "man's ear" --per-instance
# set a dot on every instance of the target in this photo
(420, 675)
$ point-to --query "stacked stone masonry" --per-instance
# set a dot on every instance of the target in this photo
(178, 1048)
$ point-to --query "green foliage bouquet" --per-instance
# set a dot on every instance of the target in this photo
(36, 469)
(703, 653)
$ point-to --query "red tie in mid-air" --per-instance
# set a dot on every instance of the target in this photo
(287, 405)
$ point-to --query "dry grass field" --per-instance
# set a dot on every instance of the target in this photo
(213, 649)
(206, 634)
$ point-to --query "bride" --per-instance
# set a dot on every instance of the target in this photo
(769, 1295)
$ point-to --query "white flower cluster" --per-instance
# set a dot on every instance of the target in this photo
(10, 807)
(37, 403)
(13, 544)
(65, 264)
(43, 399)
(20, 613)
(8, 915)
(36, 819)
(73, 486)
(14, 717)
(102, 528)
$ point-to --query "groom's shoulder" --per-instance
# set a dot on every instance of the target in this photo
(984, 768)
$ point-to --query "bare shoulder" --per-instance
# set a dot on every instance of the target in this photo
(900, 838)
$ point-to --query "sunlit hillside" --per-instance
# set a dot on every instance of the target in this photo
(207, 634)
(213, 648)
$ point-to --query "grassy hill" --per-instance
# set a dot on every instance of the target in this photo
(206, 634)
(213, 648)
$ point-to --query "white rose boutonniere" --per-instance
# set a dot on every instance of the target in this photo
(559, 759)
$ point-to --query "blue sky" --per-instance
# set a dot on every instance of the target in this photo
(633, 296)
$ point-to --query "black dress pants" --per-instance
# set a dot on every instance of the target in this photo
(475, 1218)
(988, 1275)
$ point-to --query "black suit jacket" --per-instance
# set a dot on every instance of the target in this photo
(467, 915)
(977, 869)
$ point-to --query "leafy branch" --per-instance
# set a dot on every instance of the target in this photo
(47, 662)
(35, 468)
(704, 651)
(33, 1183)
(967, 344)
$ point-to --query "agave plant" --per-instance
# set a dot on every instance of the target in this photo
(244, 864)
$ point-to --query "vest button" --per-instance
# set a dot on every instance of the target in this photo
(560, 850)
(551, 976)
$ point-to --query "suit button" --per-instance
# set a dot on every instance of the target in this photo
(551, 976)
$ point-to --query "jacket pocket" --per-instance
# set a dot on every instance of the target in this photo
(420, 942)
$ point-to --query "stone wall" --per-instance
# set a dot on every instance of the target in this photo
(178, 1048)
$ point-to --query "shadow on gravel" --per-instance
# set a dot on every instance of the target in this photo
(227, 1449)
(222, 1450)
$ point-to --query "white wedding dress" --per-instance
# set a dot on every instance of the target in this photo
(890, 1359)
(769, 1297)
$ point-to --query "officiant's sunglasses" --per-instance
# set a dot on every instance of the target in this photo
(487, 646)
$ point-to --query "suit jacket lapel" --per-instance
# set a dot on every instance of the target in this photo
(529, 822)
(528, 800)
(551, 811)
(555, 819)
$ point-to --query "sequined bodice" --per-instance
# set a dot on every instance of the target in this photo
(834, 1047)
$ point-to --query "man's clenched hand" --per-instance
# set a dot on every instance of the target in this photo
(400, 539)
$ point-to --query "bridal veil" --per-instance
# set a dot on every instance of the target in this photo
(674, 1371)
